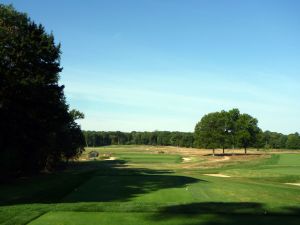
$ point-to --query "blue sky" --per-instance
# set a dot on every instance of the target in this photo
(163, 64)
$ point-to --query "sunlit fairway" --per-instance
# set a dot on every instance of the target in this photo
(160, 185)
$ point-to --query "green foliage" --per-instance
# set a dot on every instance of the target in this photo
(274, 140)
(293, 141)
(37, 130)
(210, 130)
(247, 131)
(76, 114)
(222, 129)
(233, 129)
(164, 138)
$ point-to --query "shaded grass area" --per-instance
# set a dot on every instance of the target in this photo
(94, 181)
(124, 188)
(84, 183)
(42, 189)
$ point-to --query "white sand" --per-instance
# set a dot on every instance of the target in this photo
(296, 184)
(216, 175)
(185, 159)
(111, 158)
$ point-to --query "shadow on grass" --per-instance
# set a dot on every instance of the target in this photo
(233, 154)
(215, 207)
(231, 213)
(293, 210)
(92, 181)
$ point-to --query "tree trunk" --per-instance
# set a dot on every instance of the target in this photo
(245, 151)
(213, 152)
(223, 150)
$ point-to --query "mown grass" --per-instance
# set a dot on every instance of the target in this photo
(112, 218)
(115, 192)
(148, 158)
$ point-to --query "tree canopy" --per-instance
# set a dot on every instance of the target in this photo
(293, 141)
(224, 129)
(37, 129)
(246, 131)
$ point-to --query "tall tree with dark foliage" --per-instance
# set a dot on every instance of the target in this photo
(37, 129)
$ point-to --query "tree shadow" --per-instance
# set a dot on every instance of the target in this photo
(215, 207)
(92, 181)
(292, 210)
(233, 154)
(230, 213)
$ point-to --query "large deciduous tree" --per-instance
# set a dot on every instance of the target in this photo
(37, 129)
(210, 131)
(222, 129)
(247, 131)
(232, 117)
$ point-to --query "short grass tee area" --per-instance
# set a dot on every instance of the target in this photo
(141, 185)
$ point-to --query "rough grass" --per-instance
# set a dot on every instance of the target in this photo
(144, 187)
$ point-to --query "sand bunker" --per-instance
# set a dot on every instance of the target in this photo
(111, 158)
(225, 158)
(296, 184)
(186, 159)
(216, 175)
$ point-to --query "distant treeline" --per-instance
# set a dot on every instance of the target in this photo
(164, 138)
(266, 140)
(274, 140)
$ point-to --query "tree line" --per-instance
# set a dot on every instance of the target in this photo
(218, 130)
(38, 130)
(163, 138)
(266, 140)
(274, 140)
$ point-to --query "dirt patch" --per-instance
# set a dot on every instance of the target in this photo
(295, 184)
(216, 175)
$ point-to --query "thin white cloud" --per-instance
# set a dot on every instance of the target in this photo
(126, 103)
